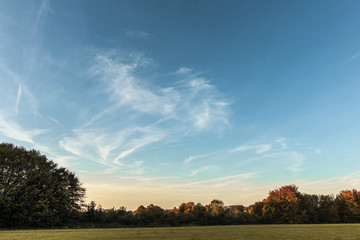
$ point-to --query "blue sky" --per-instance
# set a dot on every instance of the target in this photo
(172, 101)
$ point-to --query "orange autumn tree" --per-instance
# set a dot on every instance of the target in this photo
(186, 207)
(348, 203)
(284, 205)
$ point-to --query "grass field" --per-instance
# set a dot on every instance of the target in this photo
(336, 231)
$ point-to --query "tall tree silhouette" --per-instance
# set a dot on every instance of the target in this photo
(35, 192)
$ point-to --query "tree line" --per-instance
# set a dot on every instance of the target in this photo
(36, 193)
(285, 205)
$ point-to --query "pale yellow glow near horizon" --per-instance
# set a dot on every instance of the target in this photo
(132, 194)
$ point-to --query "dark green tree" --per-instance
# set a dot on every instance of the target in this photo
(327, 211)
(309, 206)
(35, 192)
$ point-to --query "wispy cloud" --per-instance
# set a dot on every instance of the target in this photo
(14, 131)
(238, 177)
(293, 159)
(100, 115)
(137, 34)
(191, 158)
(22, 89)
(353, 57)
(347, 61)
(62, 160)
(261, 148)
(316, 150)
(13, 76)
(145, 178)
(331, 185)
(128, 90)
(18, 99)
(138, 143)
(184, 70)
(17, 93)
(43, 9)
(282, 142)
(202, 169)
(193, 101)
(108, 148)
(174, 190)
(137, 168)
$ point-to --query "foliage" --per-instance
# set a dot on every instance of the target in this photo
(34, 192)
(348, 203)
(282, 205)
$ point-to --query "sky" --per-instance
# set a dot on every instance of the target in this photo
(167, 102)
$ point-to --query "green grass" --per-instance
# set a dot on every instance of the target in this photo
(327, 231)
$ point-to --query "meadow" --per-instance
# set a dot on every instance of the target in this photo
(303, 231)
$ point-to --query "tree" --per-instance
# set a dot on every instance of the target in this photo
(284, 205)
(216, 207)
(327, 211)
(256, 209)
(90, 212)
(198, 214)
(309, 206)
(348, 204)
(35, 192)
(150, 216)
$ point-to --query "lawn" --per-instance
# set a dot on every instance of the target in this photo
(333, 231)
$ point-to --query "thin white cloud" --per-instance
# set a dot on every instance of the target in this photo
(22, 88)
(100, 115)
(62, 160)
(184, 70)
(199, 84)
(282, 142)
(137, 34)
(298, 161)
(191, 158)
(261, 148)
(238, 177)
(18, 99)
(123, 154)
(176, 182)
(128, 90)
(43, 9)
(347, 61)
(172, 191)
(14, 131)
(293, 159)
(54, 121)
(96, 140)
(331, 185)
(145, 179)
(137, 168)
(192, 101)
(108, 148)
(316, 150)
(111, 170)
(354, 56)
(13, 76)
(202, 169)
(264, 148)
(140, 142)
